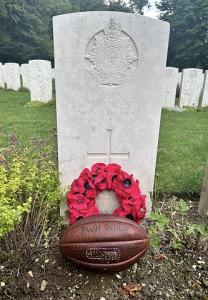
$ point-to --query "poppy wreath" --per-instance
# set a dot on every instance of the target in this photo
(85, 189)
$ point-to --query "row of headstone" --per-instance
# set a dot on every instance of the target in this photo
(191, 85)
(36, 76)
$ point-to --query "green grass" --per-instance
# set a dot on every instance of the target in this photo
(24, 121)
(183, 142)
(183, 151)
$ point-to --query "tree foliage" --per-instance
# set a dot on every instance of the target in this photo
(26, 25)
(26, 28)
(119, 5)
(139, 5)
(189, 36)
(86, 5)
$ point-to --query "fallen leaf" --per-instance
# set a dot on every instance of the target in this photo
(131, 289)
(196, 284)
(160, 257)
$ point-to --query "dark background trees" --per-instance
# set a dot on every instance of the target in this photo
(189, 32)
(138, 5)
(26, 27)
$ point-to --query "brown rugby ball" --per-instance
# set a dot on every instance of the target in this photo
(104, 242)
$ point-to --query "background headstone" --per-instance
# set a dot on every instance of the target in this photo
(178, 86)
(11, 72)
(40, 80)
(53, 73)
(179, 78)
(109, 67)
(1, 76)
(25, 72)
(170, 86)
(204, 100)
(191, 87)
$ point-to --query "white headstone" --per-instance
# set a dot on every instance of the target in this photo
(53, 73)
(178, 87)
(204, 100)
(24, 69)
(170, 86)
(1, 76)
(11, 74)
(191, 87)
(179, 79)
(40, 80)
(109, 67)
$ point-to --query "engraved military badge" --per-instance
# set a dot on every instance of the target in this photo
(111, 56)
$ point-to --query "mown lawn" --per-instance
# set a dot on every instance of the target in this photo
(183, 151)
(183, 142)
(22, 121)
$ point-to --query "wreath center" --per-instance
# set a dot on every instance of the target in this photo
(107, 202)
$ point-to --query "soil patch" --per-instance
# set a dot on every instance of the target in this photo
(44, 274)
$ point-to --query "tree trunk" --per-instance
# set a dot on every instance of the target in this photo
(203, 204)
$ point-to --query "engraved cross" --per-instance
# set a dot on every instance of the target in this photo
(109, 154)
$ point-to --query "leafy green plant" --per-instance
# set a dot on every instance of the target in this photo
(182, 206)
(165, 231)
(160, 222)
(197, 228)
(29, 192)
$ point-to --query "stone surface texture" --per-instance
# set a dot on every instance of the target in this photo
(25, 72)
(179, 79)
(109, 92)
(40, 80)
(191, 87)
(53, 73)
(11, 72)
(170, 86)
(1, 76)
(204, 99)
(107, 202)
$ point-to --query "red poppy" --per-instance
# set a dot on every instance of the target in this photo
(113, 171)
(119, 212)
(77, 214)
(77, 201)
(91, 193)
(95, 169)
(85, 189)
(83, 184)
